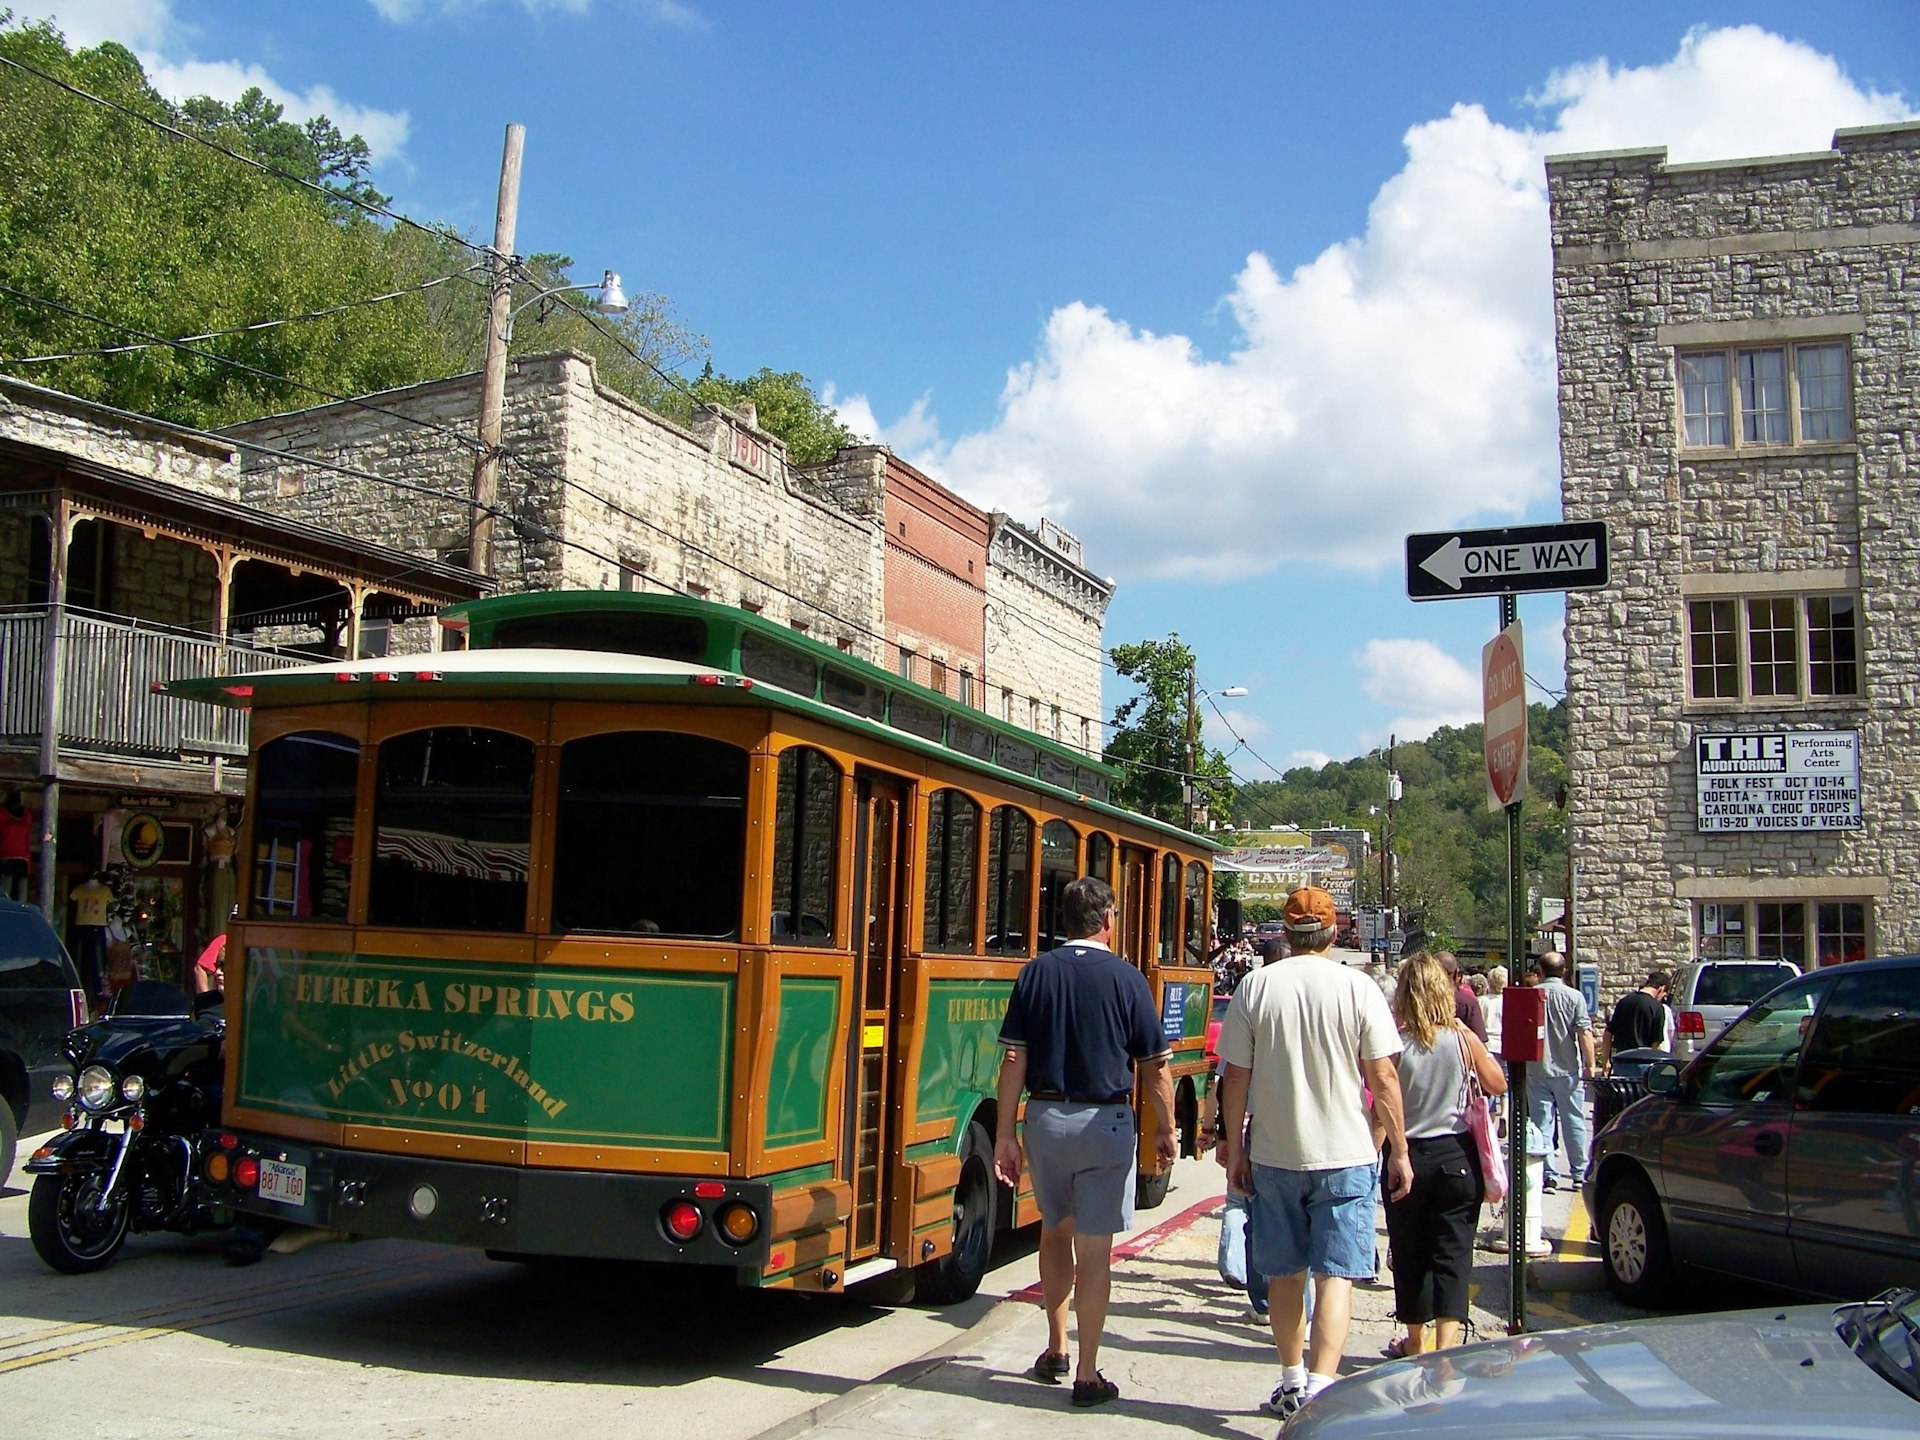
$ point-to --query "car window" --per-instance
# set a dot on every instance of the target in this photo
(1738, 984)
(30, 956)
(1752, 1063)
(1864, 1055)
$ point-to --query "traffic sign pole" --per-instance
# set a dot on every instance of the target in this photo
(1516, 1122)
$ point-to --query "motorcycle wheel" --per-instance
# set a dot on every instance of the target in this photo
(67, 1232)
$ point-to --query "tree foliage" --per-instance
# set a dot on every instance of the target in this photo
(787, 405)
(1150, 731)
(1450, 849)
(103, 215)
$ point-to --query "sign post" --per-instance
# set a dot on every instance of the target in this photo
(1453, 565)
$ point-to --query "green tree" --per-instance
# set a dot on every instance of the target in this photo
(787, 405)
(1150, 736)
(316, 152)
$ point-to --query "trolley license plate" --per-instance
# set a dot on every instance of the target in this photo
(283, 1184)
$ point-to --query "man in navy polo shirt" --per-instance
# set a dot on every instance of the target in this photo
(1079, 1020)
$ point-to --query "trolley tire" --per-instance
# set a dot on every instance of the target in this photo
(1633, 1244)
(1151, 1190)
(956, 1275)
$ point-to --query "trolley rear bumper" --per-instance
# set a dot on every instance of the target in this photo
(584, 1213)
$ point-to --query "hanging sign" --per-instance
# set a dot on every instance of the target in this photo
(1777, 780)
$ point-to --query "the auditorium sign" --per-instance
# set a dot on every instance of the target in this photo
(1778, 779)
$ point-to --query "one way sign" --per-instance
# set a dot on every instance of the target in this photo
(1457, 563)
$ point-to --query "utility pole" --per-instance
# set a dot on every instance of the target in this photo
(1386, 837)
(1193, 733)
(493, 381)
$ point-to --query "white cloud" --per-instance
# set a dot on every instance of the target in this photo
(1402, 379)
(405, 12)
(167, 49)
(1312, 759)
(1422, 684)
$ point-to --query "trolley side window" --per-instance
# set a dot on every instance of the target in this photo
(651, 835)
(806, 845)
(1059, 863)
(1197, 937)
(453, 813)
(1009, 882)
(303, 793)
(1169, 952)
(953, 867)
(1100, 857)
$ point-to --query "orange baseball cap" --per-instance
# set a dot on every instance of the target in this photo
(1310, 908)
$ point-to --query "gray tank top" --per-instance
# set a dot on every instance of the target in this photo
(1431, 1087)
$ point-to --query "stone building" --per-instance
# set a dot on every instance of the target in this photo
(1739, 383)
(595, 491)
(126, 560)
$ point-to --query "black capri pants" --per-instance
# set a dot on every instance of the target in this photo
(1431, 1230)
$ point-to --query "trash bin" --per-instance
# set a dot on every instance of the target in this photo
(1613, 1093)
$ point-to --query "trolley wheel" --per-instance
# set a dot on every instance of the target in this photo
(957, 1274)
(1151, 1190)
(9, 1138)
(1633, 1243)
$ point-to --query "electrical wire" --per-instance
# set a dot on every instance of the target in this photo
(254, 326)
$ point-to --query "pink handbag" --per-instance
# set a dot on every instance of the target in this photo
(1493, 1166)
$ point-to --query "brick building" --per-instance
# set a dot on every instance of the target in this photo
(1739, 380)
(863, 551)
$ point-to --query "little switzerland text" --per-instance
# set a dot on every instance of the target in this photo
(448, 1097)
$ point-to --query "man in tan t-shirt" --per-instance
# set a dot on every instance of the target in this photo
(1303, 1037)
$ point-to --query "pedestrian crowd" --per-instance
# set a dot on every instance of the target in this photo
(1341, 1089)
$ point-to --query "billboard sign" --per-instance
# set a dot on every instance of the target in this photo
(1777, 780)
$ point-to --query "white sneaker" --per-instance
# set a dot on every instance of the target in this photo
(1285, 1400)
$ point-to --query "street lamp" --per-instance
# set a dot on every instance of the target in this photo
(500, 312)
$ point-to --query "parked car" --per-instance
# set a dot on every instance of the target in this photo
(1787, 1152)
(40, 1001)
(1708, 995)
(1846, 1374)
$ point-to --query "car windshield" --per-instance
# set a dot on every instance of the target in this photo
(1885, 1333)
(1738, 984)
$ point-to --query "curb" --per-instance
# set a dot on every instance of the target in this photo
(1003, 1316)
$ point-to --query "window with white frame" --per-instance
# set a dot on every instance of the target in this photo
(1764, 395)
(1769, 648)
(1809, 932)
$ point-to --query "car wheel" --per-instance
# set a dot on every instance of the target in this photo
(1633, 1243)
(9, 1139)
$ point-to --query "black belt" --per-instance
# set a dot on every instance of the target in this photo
(1126, 1099)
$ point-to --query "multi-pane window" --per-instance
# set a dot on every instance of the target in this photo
(1772, 647)
(1807, 932)
(1766, 395)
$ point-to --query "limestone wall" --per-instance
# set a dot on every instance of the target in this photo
(1650, 258)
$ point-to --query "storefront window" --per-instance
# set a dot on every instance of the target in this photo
(650, 837)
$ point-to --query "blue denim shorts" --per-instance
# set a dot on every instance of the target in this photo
(1317, 1220)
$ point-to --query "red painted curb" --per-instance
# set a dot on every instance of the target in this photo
(1145, 1241)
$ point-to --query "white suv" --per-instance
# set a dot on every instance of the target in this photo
(1709, 995)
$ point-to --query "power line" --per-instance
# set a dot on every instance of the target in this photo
(250, 328)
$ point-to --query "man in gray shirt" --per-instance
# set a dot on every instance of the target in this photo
(1556, 1087)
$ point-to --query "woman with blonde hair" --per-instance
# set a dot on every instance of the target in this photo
(1431, 1228)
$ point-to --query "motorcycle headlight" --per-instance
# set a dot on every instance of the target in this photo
(132, 1088)
(63, 1088)
(96, 1087)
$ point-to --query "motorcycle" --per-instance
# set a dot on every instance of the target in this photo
(144, 1090)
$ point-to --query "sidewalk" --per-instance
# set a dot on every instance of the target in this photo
(1179, 1345)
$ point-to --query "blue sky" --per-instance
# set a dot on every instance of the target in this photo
(1241, 293)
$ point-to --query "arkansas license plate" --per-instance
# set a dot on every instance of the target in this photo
(283, 1184)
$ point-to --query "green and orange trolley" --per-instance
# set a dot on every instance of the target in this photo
(645, 928)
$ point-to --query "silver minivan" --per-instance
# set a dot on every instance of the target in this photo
(1709, 995)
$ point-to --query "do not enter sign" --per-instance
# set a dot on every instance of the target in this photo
(1503, 688)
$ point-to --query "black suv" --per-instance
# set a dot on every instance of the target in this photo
(40, 1000)
(1787, 1152)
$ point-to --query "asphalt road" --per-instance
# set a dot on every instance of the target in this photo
(390, 1338)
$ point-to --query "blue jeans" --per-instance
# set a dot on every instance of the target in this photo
(1564, 1096)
